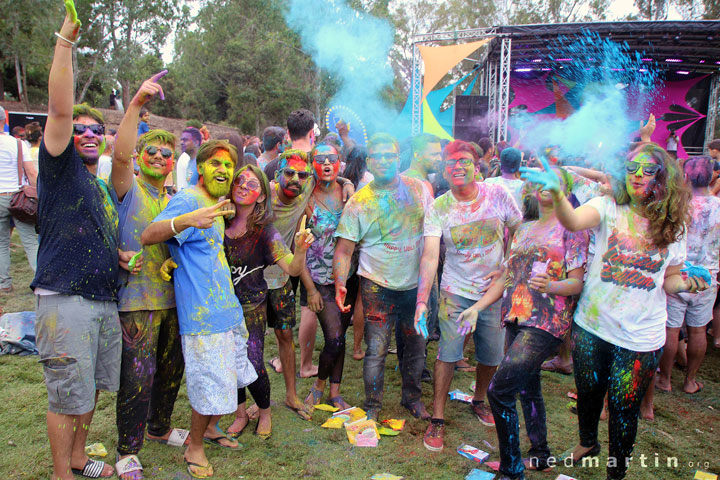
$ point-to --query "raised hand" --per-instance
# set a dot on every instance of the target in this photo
(71, 26)
(547, 178)
(205, 217)
(149, 89)
(166, 269)
(304, 237)
(647, 130)
(467, 321)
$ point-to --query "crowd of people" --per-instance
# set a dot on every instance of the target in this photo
(140, 278)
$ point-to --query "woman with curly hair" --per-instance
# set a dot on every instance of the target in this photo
(619, 328)
(544, 273)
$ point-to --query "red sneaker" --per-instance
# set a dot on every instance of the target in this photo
(483, 413)
(433, 438)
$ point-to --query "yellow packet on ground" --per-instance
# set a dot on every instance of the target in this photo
(336, 422)
(700, 475)
(96, 450)
(354, 414)
(325, 407)
(394, 424)
(362, 433)
(387, 431)
(385, 476)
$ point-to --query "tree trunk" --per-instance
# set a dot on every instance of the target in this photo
(18, 80)
(125, 85)
(23, 69)
(2, 89)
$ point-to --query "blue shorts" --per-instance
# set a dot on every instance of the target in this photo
(489, 335)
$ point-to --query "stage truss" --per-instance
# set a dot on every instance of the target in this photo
(496, 64)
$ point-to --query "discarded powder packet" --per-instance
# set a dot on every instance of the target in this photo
(325, 407)
(460, 396)
(565, 477)
(336, 422)
(394, 424)
(700, 475)
(389, 432)
(96, 450)
(476, 474)
(473, 453)
(362, 433)
(386, 476)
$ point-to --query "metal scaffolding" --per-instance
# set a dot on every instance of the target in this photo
(416, 82)
(712, 110)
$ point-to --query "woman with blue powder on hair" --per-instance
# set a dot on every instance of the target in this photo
(619, 328)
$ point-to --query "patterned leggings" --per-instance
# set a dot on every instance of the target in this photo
(256, 321)
(625, 375)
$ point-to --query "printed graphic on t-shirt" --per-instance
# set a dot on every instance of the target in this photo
(478, 234)
(626, 259)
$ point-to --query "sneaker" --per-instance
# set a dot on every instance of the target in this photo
(372, 414)
(483, 413)
(433, 438)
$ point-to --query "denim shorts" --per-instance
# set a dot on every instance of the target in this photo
(489, 335)
(80, 346)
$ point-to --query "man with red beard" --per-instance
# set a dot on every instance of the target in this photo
(77, 327)
(152, 362)
(472, 218)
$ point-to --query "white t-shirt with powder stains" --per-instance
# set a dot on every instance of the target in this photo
(473, 233)
(623, 301)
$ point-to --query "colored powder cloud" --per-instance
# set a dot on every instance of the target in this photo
(353, 47)
(617, 88)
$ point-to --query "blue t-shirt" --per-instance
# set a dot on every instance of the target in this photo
(192, 173)
(143, 128)
(78, 226)
(204, 293)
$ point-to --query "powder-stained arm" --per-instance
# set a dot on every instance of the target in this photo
(675, 283)
(341, 267)
(122, 165)
(162, 230)
(426, 277)
(61, 96)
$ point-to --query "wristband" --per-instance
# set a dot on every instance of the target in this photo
(418, 303)
(172, 226)
(59, 35)
(312, 294)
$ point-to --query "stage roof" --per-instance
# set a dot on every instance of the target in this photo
(673, 45)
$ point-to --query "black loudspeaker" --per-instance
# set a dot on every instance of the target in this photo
(471, 122)
(20, 119)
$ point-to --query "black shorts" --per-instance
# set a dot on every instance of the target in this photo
(281, 305)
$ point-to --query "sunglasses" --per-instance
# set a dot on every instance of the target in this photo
(384, 156)
(465, 162)
(249, 184)
(290, 173)
(96, 128)
(165, 152)
(648, 169)
(331, 157)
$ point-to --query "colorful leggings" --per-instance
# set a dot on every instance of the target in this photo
(151, 371)
(255, 321)
(625, 375)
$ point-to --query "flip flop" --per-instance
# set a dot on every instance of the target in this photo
(699, 385)
(177, 438)
(272, 364)
(300, 411)
(339, 402)
(130, 467)
(298, 375)
(208, 469)
(263, 436)
(235, 435)
(92, 469)
(314, 397)
(216, 441)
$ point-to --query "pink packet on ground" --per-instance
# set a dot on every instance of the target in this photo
(473, 453)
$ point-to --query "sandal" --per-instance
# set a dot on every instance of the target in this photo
(216, 441)
(177, 438)
(313, 397)
(263, 435)
(129, 468)
(207, 469)
(555, 366)
(301, 411)
(92, 469)
(235, 435)
(339, 402)
(274, 362)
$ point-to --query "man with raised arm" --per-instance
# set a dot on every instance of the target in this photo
(212, 327)
(77, 327)
(152, 362)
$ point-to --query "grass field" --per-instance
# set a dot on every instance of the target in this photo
(684, 427)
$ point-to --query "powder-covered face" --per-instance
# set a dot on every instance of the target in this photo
(459, 169)
(217, 172)
(89, 145)
(639, 183)
(186, 141)
(433, 156)
(326, 163)
(157, 160)
(383, 162)
(246, 189)
(293, 176)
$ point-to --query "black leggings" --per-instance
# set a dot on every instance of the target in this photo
(334, 324)
(625, 375)
(255, 321)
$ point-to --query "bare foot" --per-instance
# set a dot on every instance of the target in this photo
(213, 433)
(692, 386)
(647, 412)
(264, 426)
(166, 437)
(236, 428)
(358, 355)
(579, 451)
(275, 364)
(662, 384)
(79, 464)
(198, 463)
(253, 411)
(309, 373)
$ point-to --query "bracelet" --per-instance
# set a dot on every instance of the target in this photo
(172, 226)
(418, 303)
(59, 35)
(312, 294)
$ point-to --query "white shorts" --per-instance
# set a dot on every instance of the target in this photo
(216, 365)
(695, 309)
